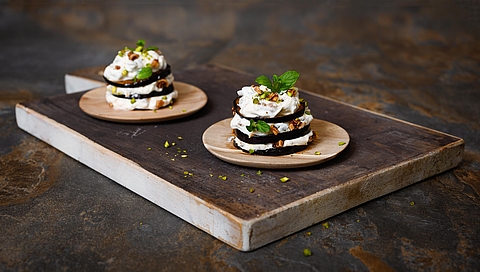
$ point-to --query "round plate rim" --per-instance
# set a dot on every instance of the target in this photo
(304, 158)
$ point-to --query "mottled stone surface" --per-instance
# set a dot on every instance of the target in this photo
(414, 60)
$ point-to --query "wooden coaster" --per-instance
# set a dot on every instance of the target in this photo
(218, 141)
(190, 100)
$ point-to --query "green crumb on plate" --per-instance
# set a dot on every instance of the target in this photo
(284, 179)
(307, 252)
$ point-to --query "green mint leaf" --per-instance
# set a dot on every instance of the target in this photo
(141, 43)
(279, 83)
(263, 80)
(288, 79)
(262, 126)
(274, 78)
(252, 126)
(152, 48)
(144, 73)
(276, 86)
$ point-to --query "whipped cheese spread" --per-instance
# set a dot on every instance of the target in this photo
(151, 103)
(131, 66)
(252, 105)
(127, 64)
(303, 140)
(265, 109)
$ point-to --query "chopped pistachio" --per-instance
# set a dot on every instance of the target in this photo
(255, 101)
(173, 143)
(170, 107)
(184, 110)
(308, 233)
(341, 143)
(252, 190)
(317, 153)
(259, 172)
(242, 174)
(284, 179)
(412, 203)
(155, 110)
(149, 148)
(184, 156)
(124, 72)
(251, 151)
(326, 225)
(114, 89)
(185, 172)
(133, 100)
(166, 144)
(180, 137)
(222, 177)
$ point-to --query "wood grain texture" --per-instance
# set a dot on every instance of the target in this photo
(383, 155)
(190, 100)
(218, 140)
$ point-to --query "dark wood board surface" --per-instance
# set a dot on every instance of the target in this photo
(378, 144)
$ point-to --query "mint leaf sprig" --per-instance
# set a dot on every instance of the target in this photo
(279, 83)
(260, 126)
(144, 73)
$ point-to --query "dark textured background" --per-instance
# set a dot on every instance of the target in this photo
(418, 61)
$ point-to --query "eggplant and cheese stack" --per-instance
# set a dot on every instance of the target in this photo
(271, 118)
(139, 78)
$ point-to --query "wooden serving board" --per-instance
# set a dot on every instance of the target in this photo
(233, 203)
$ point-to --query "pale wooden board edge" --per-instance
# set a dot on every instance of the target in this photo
(207, 217)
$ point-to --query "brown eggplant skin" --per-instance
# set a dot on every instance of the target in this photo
(272, 138)
(165, 91)
(277, 151)
(299, 112)
(139, 83)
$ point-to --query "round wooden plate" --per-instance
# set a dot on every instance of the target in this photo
(218, 138)
(190, 100)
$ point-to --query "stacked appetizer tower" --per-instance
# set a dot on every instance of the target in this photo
(139, 78)
(271, 119)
